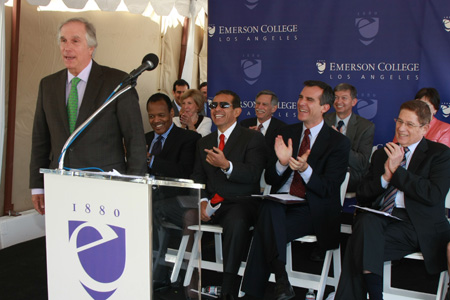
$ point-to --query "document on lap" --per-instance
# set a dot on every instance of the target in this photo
(379, 212)
(283, 198)
(212, 209)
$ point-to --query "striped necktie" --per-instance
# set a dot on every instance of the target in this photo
(388, 202)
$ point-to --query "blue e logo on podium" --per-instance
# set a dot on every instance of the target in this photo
(100, 250)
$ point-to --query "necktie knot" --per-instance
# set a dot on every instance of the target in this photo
(75, 81)
(260, 126)
(340, 125)
(222, 141)
(306, 134)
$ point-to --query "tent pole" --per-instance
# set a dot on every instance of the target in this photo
(184, 39)
(9, 161)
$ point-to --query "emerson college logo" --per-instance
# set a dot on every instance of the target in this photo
(98, 256)
(367, 25)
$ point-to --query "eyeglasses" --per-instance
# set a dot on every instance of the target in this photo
(410, 125)
(214, 105)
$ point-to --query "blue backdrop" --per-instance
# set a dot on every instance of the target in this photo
(387, 49)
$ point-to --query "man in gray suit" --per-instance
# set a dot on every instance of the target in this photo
(359, 130)
(179, 87)
(114, 139)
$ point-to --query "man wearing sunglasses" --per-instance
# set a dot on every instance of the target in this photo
(230, 162)
(410, 181)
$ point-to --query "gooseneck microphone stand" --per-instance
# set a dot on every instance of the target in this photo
(114, 95)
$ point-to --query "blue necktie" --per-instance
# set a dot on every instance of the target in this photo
(157, 146)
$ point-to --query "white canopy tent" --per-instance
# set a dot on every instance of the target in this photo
(124, 38)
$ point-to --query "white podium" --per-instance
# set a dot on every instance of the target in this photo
(99, 233)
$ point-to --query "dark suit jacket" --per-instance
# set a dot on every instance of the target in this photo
(246, 149)
(271, 132)
(175, 109)
(360, 132)
(177, 156)
(329, 161)
(101, 144)
(425, 183)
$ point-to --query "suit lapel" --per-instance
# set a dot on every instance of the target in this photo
(232, 140)
(61, 100)
(296, 136)
(91, 100)
(351, 127)
(418, 156)
(320, 144)
(171, 140)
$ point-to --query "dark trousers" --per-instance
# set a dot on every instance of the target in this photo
(236, 218)
(374, 240)
(277, 225)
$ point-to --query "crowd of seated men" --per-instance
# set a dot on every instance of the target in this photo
(409, 178)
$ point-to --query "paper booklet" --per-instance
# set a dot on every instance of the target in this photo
(378, 212)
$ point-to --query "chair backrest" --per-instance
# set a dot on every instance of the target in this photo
(447, 200)
(344, 187)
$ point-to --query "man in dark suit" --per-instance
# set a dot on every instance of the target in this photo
(67, 98)
(409, 181)
(315, 174)
(231, 175)
(171, 153)
(360, 131)
(176, 156)
(266, 104)
(179, 87)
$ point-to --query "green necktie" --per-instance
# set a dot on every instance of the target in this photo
(72, 104)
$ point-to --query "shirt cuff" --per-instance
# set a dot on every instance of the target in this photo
(37, 191)
(230, 169)
(384, 183)
(306, 175)
(280, 168)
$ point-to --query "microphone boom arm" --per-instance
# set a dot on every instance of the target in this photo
(85, 123)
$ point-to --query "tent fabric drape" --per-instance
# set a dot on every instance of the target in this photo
(131, 36)
(161, 7)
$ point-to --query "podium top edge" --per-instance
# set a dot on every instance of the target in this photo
(148, 179)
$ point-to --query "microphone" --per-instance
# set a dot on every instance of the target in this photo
(149, 62)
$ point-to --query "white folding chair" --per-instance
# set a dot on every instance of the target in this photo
(314, 281)
(390, 292)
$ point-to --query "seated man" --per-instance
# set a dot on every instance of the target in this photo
(171, 153)
(174, 155)
(266, 104)
(310, 161)
(410, 181)
(359, 131)
(230, 162)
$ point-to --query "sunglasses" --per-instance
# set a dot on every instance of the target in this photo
(214, 105)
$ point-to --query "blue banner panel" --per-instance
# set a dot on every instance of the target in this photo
(387, 49)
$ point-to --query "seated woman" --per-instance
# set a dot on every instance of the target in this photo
(439, 131)
(190, 118)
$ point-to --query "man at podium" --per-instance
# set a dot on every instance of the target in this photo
(113, 140)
